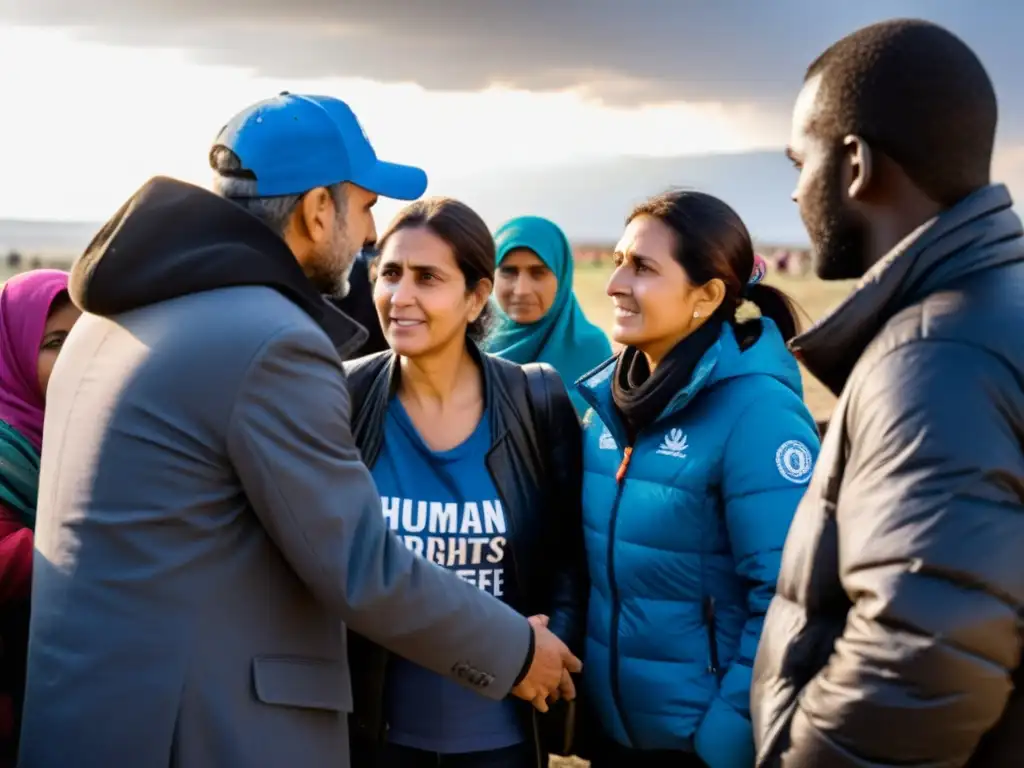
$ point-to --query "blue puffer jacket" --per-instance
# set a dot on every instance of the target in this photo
(684, 548)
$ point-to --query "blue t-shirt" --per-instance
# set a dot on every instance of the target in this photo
(444, 506)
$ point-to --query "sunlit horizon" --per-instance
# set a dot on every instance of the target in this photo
(106, 118)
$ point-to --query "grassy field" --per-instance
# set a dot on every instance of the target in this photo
(814, 296)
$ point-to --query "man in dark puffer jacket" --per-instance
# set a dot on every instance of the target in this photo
(895, 635)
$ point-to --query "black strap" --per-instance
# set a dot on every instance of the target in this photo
(362, 379)
(539, 382)
(358, 417)
(540, 377)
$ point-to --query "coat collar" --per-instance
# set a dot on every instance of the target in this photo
(979, 233)
(372, 408)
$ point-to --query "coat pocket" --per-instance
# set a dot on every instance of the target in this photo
(307, 683)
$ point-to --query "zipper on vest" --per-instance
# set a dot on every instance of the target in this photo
(613, 636)
(620, 473)
(709, 623)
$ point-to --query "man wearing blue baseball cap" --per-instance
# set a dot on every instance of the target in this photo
(207, 528)
(304, 166)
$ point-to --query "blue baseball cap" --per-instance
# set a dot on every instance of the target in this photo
(294, 143)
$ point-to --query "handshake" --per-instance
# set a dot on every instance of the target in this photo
(548, 676)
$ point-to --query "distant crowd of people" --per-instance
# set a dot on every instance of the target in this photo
(785, 261)
(310, 495)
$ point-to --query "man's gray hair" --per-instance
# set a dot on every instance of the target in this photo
(237, 184)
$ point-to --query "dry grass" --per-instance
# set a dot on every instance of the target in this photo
(814, 296)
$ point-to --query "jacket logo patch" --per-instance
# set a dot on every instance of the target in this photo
(794, 461)
(606, 442)
(675, 444)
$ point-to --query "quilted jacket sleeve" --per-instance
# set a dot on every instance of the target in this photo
(931, 545)
(768, 461)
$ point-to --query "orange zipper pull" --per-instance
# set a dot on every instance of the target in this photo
(621, 473)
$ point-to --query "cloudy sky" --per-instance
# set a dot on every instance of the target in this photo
(101, 94)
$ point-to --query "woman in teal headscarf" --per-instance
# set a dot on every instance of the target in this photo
(540, 319)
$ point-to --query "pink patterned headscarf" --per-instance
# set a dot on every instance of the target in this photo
(25, 302)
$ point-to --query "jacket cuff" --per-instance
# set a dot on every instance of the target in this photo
(529, 659)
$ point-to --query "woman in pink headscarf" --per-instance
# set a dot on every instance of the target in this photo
(35, 317)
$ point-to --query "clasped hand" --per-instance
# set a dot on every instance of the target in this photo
(549, 674)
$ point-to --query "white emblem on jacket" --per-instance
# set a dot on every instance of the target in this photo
(794, 461)
(675, 444)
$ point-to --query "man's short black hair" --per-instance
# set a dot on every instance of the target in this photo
(918, 93)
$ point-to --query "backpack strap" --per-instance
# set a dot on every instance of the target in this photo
(549, 406)
(538, 388)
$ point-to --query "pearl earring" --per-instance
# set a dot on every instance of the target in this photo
(696, 314)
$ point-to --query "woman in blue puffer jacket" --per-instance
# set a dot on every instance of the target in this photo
(697, 450)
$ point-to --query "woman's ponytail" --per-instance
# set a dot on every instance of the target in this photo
(777, 306)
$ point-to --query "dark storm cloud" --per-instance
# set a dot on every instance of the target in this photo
(625, 51)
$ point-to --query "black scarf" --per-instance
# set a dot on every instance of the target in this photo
(640, 396)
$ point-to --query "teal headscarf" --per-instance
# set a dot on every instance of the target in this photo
(563, 338)
(19, 474)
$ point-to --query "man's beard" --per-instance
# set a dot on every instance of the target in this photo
(343, 287)
(839, 237)
(330, 273)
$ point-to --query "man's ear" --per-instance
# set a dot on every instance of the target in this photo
(316, 215)
(861, 166)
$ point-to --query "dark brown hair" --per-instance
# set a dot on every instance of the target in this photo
(712, 241)
(60, 301)
(465, 233)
